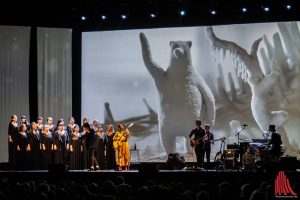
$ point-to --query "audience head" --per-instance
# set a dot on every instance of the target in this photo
(203, 195)
(257, 195)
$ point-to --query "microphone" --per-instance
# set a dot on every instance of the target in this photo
(245, 125)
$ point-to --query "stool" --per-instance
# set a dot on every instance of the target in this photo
(137, 154)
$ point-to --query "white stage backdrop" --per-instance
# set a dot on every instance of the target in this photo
(54, 73)
(14, 79)
(186, 77)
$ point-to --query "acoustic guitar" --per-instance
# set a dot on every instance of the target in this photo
(117, 142)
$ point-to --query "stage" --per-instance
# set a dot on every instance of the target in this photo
(140, 172)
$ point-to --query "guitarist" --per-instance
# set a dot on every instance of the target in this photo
(122, 147)
(196, 137)
(208, 140)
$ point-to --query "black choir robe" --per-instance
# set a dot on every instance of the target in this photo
(61, 141)
(110, 153)
(35, 152)
(46, 154)
(13, 132)
(100, 150)
(76, 154)
(22, 154)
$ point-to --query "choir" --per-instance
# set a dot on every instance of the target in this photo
(34, 146)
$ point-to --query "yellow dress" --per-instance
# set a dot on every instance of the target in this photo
(122, 148)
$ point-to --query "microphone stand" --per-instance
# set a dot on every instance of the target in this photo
(238, 134)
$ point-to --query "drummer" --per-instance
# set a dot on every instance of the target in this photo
(275, 141)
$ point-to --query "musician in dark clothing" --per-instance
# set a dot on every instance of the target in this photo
(208, 140)
(196, 137)
(13, 130)
(275, 141)
(90, 140)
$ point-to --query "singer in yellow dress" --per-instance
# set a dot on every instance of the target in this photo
(122, 147)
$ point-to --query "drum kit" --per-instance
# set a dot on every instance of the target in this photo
(257, 150)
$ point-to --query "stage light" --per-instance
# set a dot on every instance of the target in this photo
(182, 13)
(213, 12)
(124, 16)
(288, 7)
(244, 10)
(152, 15)
(103, 17)
(83, 18)
(266, 9)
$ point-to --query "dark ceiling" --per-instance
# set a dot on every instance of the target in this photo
(198, 12)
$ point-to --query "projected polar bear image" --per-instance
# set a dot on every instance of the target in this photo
(182, 92)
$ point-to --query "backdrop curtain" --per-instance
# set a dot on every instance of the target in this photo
(54, 72)
(14, 77)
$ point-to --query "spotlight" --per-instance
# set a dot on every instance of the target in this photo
(182, 13)
(103, 17)
(83, 18)
(152, 15)
(288, 7)
(213, 12)
(266, 9)
(244, 10)
(124, 16)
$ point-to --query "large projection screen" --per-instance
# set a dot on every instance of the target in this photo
(194, 74)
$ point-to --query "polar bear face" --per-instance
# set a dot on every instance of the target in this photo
(180, 51)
